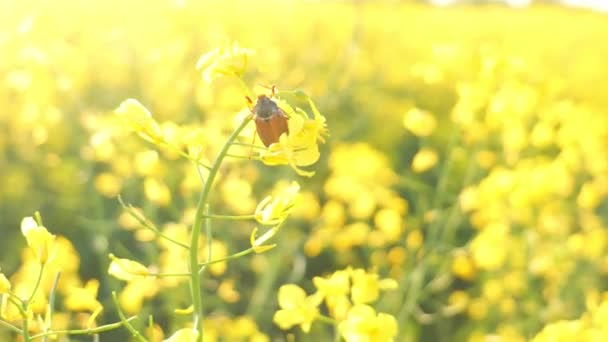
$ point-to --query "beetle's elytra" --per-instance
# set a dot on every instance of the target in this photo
(270, 120)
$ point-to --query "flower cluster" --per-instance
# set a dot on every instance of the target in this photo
(347, 295)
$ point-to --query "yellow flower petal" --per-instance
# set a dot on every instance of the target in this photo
(125, 269)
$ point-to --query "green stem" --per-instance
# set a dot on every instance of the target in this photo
(169, 275)
(144, 223)
(11, 327)
(195, 280)
(185, 155)
(230, 217)
(26, 329)
(236, 143)
(242, 157)
(230, 257)
(99, 329)
(37, 283)
(124, 321)
(52, 302)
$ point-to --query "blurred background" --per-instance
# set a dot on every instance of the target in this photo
(468, 156)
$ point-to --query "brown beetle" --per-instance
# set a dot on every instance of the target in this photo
(270, 120)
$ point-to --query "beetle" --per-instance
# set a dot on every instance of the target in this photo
(270, 119)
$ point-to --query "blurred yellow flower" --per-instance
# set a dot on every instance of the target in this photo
(139, 120)
(363, 324)
(132, 296)
(366, 286)
(184, 335)
(125, 269)
(272, 211)
(296, 308)
(226, 60)
(40, 241)
(390, 223)
(420, 122)
(424, 160)
(157, 192)
(5, 285)
(83, 298)
(108, 184)
(463, 267)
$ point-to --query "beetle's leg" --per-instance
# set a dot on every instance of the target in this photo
(252, 142)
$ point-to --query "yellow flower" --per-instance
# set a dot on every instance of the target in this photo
(157, 192)
(335, 289)
(125, 269)
(5, 285)
(227, 60)
(184, 335)
(41, 242)
(362, 324)
(257, 243)
(424, 160)
(366, 286)
(296, 308)
(420, 122)
(83, 298)
(139, 119)
(300, 146)
(132, 296)
(272, 211)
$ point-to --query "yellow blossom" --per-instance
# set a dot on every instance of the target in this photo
(226, 60)
(272, 211)
(83, 298)
(363, 324)
(424, 160)
(139, 120)
(108, 184)
(335, 289)
(366, 286)
(5, 285)
(157, 191)
(296, 308)
(40, 241)
(300, 146)
(257, 243)
(420, 122)
(125, 269)
(132, 296)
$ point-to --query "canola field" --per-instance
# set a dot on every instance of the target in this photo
(302, 171)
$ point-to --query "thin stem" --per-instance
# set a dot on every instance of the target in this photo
(11, 327)
(37, 283)
(230, 257)
(236, 143)
(242, 157)
(242, 83)
(124, 320)
(52, 302)
(195, 281)
(26, 329)
(144, 223)
(230, 217)
(185, 155)
(169, 275)
(96, 330)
